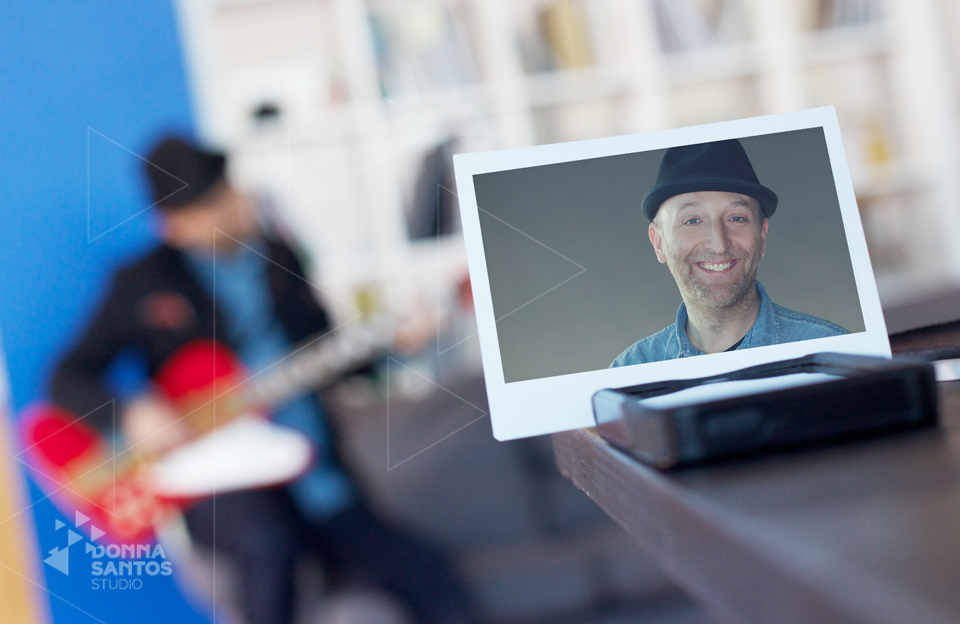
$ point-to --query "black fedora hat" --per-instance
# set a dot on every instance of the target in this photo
(715, 166)
(180, 172)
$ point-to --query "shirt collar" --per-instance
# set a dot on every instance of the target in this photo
(766, 325)
(249, 254)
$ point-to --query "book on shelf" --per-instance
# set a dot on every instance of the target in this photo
(556, 35)
(691, 24)
(563, 24)
(840, 13)
(421, 45)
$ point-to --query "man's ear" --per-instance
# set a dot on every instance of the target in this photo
(169, 227)
(657, 241)
(763, 236)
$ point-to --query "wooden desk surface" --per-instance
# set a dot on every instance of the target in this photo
(863, 533)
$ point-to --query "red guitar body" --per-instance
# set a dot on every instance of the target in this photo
(75, 465)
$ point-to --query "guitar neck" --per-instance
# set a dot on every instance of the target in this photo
(317, 364)
(98, 476)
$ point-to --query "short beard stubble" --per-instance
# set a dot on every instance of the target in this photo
(695, 291)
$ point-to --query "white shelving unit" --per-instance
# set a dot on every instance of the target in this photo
(342, 156)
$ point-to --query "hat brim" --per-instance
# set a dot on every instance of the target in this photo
(665, 190)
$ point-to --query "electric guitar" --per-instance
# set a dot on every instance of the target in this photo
(126, 492)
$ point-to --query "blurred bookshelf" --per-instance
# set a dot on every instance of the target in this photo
(332, 107)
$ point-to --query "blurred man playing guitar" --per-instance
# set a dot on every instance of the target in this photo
(217, 276)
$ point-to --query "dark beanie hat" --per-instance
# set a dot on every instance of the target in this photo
(716, 166)
(179, 172)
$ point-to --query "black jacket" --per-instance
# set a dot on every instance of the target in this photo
(155, 306)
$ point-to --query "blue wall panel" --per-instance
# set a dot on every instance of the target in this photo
(84, 86)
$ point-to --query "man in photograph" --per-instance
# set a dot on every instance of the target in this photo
(709, 216)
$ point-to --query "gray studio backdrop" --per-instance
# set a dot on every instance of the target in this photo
(575, 281)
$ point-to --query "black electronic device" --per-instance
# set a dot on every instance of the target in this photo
(862, 396)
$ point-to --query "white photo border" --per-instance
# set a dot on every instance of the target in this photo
(539, 406)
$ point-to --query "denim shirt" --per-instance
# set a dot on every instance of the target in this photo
(239, 282)
(774, 325)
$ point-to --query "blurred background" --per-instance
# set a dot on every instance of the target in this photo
(341, 117)
(339, 108)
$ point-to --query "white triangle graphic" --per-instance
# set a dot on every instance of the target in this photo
(391, 362)
(81, 519)
(95, 533)
(103, 214)
(59, 559)
(58, 525)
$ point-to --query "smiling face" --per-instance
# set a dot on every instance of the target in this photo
(712, 242)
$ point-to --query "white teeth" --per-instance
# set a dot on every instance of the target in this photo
(716, 267)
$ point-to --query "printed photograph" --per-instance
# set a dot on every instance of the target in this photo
(674, 253)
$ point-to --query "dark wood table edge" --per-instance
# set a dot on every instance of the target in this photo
(734, 569)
